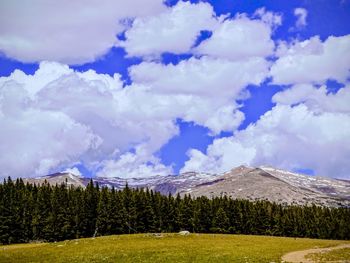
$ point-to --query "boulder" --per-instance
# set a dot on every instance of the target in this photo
(184, 233)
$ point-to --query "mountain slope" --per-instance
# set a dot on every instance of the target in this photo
(262, 183)
(279, 186)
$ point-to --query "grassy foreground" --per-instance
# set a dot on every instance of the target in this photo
(168, 248)
(334, 255)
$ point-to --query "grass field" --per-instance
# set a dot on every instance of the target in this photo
(332, 256)
(168, 248)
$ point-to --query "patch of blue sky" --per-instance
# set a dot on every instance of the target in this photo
(258, 103)
(115, 61)
(191, 136)
(304, 171)
(7, 66)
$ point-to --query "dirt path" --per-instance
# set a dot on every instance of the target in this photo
(299, 256)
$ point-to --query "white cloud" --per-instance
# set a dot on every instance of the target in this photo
(221, 156)
(199, 109)
(66, 31)
(240, 38)
(175, 30)
(56, 119)
(272, 19)
(289, 137)
(61, 117)
(225, 118)
(202, 90)
(134, 165)
(203, 77)
(33, 141)
(237, 38)
(313, 61)
(74, 171)
(301, 14)
(316, 99)
(91, 118)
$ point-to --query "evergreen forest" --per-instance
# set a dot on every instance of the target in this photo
(53, 213)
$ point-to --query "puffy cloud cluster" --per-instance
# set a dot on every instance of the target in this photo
(61, 117)
(66, 31)
(316, 99)
(204, 89)
(134, 165)
(201, 90)
(242, 37)
(58, 117)
(307, 128)
(174, 30)
(313, 61)
(234, 39)
(239, 39)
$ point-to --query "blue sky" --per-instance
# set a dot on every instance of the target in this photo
(125, 89)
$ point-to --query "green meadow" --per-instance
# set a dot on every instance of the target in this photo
(164, 248)
(337, 255)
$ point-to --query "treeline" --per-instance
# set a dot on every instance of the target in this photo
(52, 213)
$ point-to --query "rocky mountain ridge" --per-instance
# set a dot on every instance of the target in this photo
(251, 183)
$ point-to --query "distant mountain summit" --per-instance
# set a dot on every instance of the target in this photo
(59, 178)
(243, 182)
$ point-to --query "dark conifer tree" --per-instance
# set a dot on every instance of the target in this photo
(91, 196)
(221, 222)
(103, 222)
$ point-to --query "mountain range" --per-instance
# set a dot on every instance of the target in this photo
(243, 182)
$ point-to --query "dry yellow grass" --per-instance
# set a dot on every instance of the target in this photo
(334, 255)
(168, 248)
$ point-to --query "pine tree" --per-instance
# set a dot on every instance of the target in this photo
(91, 195)
(221, 222)
(5, 211)
(201, 220)
(129, 210)
(103, 222)
(185, 213)
(117, 213)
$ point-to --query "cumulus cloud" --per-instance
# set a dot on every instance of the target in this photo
(119, 127)
(221, 156)
(235, 39)
(175, 30)
(289, 137)
(32, 142)
(134, 165)
(301, 14)
(71, 117)
(66, 31)
(316, 99)
(240, 38)
(313, 61)
(58, 117)
(61, 117)
(205, 76)
(204, 89)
